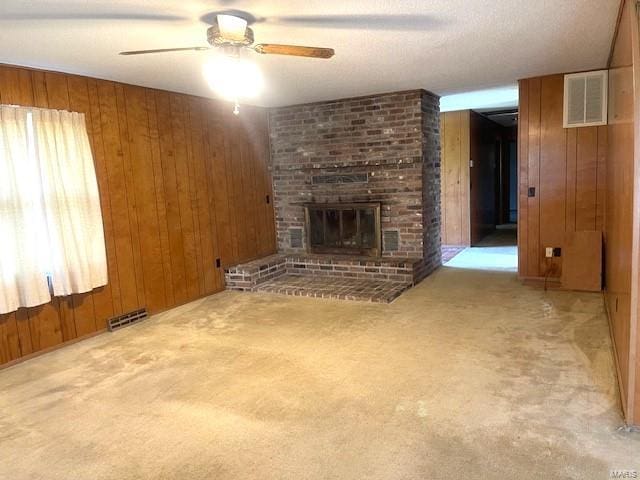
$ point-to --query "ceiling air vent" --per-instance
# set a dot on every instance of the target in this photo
(585, 99)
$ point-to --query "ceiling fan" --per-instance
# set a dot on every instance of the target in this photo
(231, 33)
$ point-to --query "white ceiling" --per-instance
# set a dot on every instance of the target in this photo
(446, 46)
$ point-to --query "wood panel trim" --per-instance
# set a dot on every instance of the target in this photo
(523, 178)
(622, 394)
(634, 360)
(465, 177)
(615, 32)
(443, 184)
(455, 194)
(533, 172)
(50, 349)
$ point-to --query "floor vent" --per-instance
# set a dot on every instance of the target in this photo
(125, 319)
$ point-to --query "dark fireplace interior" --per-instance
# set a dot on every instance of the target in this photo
(346, 228)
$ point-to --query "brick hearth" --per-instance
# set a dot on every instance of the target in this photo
(335, 288)
(327, 276)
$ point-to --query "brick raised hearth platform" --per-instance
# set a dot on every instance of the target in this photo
(335, 287)
(327, 276)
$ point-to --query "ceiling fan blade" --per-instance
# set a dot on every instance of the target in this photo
(94, 16)
(390, 22)
(163, 50)
(294, 50)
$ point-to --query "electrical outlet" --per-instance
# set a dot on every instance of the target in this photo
(548, 252)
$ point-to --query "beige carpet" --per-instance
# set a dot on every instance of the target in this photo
(468, 375)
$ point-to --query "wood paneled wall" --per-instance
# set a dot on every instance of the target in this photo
(567, 168)
(182, 182)
(589, 179)
(454, 168)
(621, 234)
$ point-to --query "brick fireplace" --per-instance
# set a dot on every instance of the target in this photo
(381, 148)
(379, 152)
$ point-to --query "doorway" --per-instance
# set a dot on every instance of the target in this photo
(479, 185)
(493, 177)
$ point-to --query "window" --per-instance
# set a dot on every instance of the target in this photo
(51, 234)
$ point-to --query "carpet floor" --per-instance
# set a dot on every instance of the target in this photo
(468, 375)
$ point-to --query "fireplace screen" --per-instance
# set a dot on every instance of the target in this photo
(348, 228)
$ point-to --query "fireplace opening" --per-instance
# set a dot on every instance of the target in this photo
(343, 228)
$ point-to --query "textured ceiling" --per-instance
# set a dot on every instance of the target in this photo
(446, 46)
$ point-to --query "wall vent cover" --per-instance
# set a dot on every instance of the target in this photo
(340, 178)
(391, 240)
(585, 99)
(295, 237)
(125, 319)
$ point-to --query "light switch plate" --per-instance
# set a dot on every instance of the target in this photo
(548, 252)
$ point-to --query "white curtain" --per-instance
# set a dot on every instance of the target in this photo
(51, 213)
(23, 248)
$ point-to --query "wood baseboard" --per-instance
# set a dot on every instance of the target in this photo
(614, 351)
(51, 349)
(552, 283)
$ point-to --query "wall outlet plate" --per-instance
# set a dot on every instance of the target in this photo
(548, 252)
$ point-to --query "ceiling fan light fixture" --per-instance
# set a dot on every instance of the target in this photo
(232, 28)
(233, 78)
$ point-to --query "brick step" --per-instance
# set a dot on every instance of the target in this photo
(336, 288)
(247, 276)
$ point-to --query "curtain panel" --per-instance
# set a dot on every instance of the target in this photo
(51, 232)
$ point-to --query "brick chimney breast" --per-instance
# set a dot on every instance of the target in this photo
(380, 148)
